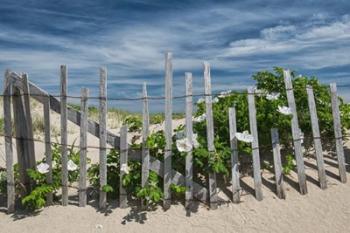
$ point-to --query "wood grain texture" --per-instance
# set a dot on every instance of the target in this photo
(317, 139)
(64, 150)
(255, 144)
(280, 189)
(103, 136)
(337, 132)
(189, 135)
(123, 199)
(236, 188)
(145, 132)
(48, 151)
(210, 134)
(83, 144)
(168, 130)
(295, 132)
(8, 143)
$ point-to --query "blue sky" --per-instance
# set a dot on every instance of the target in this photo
(130, 37)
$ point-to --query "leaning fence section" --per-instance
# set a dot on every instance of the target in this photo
(18, 90)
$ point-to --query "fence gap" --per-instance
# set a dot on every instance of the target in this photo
(210, 134)
(317, 138)
(296, 132)
(189, 135)
(48, 151)
(123, 198)
(103, 136)
(234, 156)
(337, 132)
(145, 156)
(64, 135)
(83, 146)
(168, 130)
(255, 143)
(8, 143)
(281, 193)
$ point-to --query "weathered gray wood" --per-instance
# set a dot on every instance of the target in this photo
(123, 199)
(168, 130)
(199, 192)
(281, 193)
(145, 157)
(22, 119)
(317, 139)
(255, 144)
(337, 132)
(145, 133)
(103, 136)
(8, 143)
(48, 151)
(296, 133)
(64, 150)
(83, 145)
(210, 134)
(234, 156)
(189, 135)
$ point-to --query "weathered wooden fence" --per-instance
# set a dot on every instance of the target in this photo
(18, 89)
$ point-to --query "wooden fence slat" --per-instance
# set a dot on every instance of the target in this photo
(234, 156)
(199, 192)
(296, 133)
(64, 150)
(168, 130)
(337, 132)
(255, 144)
(317, 139)
(145, 132)
(8, 144)
(281, 193)
(48, 151)
(189, 135)
(103, 136)
(123, 199)
(83, 145)
(210, 134)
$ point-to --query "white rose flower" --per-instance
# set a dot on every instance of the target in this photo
(200, 118)
(195, 141)
(43, 168)
(273, 96)
(125, 168)
(183, 145)
(245, 137)
(215, 100)
(200, 100)
(285, 110)
(71, 165)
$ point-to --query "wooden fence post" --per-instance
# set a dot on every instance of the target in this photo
(317, 139)
(103, 136)
(123, 199)
(337, 132)
(11, 195)
(83, 146)
(255, 143)
(64, 135)
(277, 163)
(234, 156)
(296, 133)
(48, 151)
(189, 135)
(168, 130)
(145, 132)
(210, 134)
